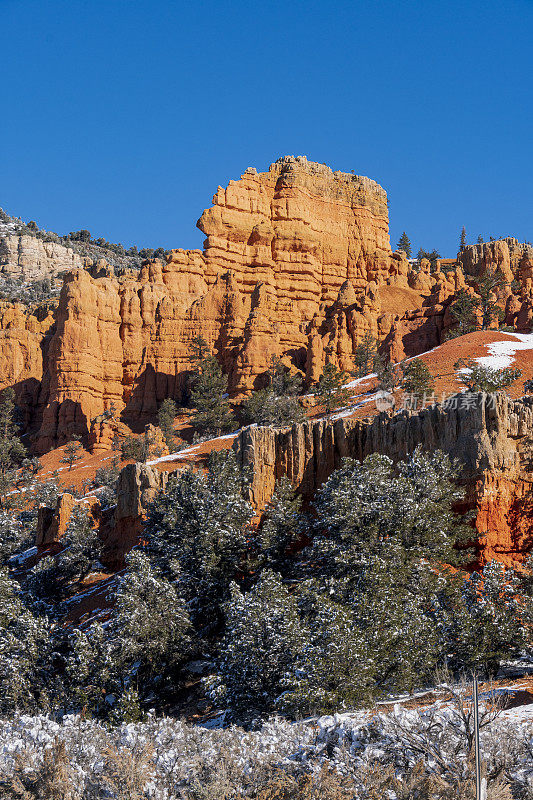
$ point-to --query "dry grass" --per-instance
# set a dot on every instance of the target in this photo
(52, 780)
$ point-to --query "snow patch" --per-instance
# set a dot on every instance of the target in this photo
(502, 353)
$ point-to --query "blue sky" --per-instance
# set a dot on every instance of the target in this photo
(123, 116)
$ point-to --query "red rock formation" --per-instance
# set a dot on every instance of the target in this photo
(492, 440)
(297, 263)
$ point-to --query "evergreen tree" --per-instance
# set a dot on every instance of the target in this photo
(166, 416)
(404, 244)
(54, 578)
(281, 381)
(196, 531)
(208, 395)
(25, 650)
(279, 411)
(277, 404)
(463, 309)
(366, 354)
(150, 628)
(431, 255)
(478, 378)
(282, 524)
(480, 239)
(379, 531)
(462, 243)
(486, 288)
(491, 623)
(335, 669)
(417, 379)
(72, 452)
(11, 448)
(330, 391)
(263, 640)
(389, 375)
(199, 349)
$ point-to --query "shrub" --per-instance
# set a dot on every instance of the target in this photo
(131, 448)
(417, 379)
(478, 378)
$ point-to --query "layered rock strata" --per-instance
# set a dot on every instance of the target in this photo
(30, 258)
(492, 438)
(297, 264)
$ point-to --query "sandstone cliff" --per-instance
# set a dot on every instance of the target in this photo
(492, 438)
(25, 256)
(297, 263)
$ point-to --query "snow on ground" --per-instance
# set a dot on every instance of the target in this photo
(20, 559)
(357, 381)
(178, 752)
(190, 451)
(502, 353)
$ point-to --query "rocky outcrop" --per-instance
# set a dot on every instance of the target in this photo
(505, 255)
(52, 523)
(137, 485)
(297, 263)
(31, 258)
(491, 436)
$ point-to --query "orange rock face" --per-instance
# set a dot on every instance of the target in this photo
(297, 263)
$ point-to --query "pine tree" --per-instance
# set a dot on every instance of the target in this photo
(208, 395)
(263, 640)
(151, 624)
(281, 381)
(199, 349)
(486, 288)
(25, 648)
(72, 452)
(11, 448)
(277, 404)
(463, 309)
(491, 621)
(166, 416)
(478, 378)
(462, 243)
(366, 354)
(54, 578)
(404, 244)
(196, 531)
(480, 239)
(330, 391)
(282, 524)
(335, 670)
(378, 533)
(431, 255)
(417, 379)
(279, 411)
(389, 375)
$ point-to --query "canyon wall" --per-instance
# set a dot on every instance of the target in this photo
(297, 263)
(491, 437)
(30, 258)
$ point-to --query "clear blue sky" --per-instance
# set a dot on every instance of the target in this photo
(123, 116)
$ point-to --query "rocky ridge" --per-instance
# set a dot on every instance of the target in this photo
(297, 263)
(491, 437)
